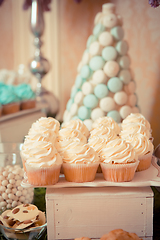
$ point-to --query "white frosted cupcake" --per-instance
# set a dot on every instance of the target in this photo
(103, 132)
(80, 161)
(69, 133)
(144, 149)
(106, 122)
(118, 161)
(77, 124)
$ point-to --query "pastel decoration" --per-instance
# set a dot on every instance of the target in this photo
(110, 20)
(98, 29)
(79, 67)
(97, 113)
(115, 115)
(109, 53)
(118, 33)
(105, 39)
(86, 57)
(96, 63)
(101, 90)
(79, 98)
(75, 117)
(125, 111)
(95, 49)
(107, 104)
(99, 77)
(130, 87)
(67, 116)
(90, 40)
(87, 88)
(108, 8)
(119, 20)
(74, 91)
(85, 72)
(88, 123)
(132, 100)
(84, 113)
(135, 109)
(120, 97)
(90, 101)
(122, 47)
(115, 84)
(74, 109)
(111, 68)
(124, 62)
(125, 76)
(78, 81)
(69, 104)
(98, 18)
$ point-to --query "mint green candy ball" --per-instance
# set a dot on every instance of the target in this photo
(84, 113)
(101, 90)
(115, 84)
(90, 101)
(115, 115)
(96, 63)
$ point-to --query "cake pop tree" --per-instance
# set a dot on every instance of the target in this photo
(104, 85)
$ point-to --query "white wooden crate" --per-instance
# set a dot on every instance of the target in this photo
(92, 212)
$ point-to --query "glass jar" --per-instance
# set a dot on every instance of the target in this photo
(12, 193)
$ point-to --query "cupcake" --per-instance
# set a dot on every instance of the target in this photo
(77, 124)
(42, 164)
(9, 100)
(70, 133)
(143, 148)
(106, 122)
(136, 118)
(80, 161)
(26, 96)
(103, 132)
(118, 161)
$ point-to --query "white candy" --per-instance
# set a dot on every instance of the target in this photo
(3, 204)
(79, 98)
(10, 176)
(96, 113)
(24, 192)
(14, 204)
(99, 77)
(9, 185)
(18, 183)
(9, 201)
(12, 181)
(5, 173)
(4, 183)
(11, 196)
(5, 195)
(98, 18)
(88, 123)
(17, 177)
(22, 199)
(14, 190)
(9, 205)
(2, 177)
(107, 104)
(2, 188)
(20, 188)
(85, 58)
(95, 49)
(8, 190)
(18, 193)
(74, 109)
(87, 88)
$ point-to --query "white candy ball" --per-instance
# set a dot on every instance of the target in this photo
(5, 173)
(14, 190)
(4, 183)
(14, 204)
(10, 176)
(8, 200)
(9, 205)
(22, 199)
(3, 204)
(9, 185)
(18, 193)
(20, 188)
(5, 196)
(12, 181)
(2, 188)
(11, 196)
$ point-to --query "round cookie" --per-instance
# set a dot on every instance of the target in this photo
(122, 47)
(109, 53)
(69, 104)
(95, 48)
(87, 88)
(118, 33)
(85, 57)
(90, 40)
(105, 39)
(90, 101)
(97, 113)
(130, 87)
(79, 98)
(125, 76)
(111, 68)
(132, 100)
(96, 63)
(99, 76)
(88, 123)
(101, 90)
(84, 113)
(125, 111)
(98, 29)
(115, 115)
(120, 97)
(124, 62)
(115, 84)
(107, 104)
(85, 72)
(74, 109)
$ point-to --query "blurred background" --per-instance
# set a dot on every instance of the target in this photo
(67, 28)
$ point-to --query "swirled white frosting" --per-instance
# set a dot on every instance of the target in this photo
(140, 143)
(98, 143)
(45, 123)
(42, 134)
(133, 128)
(41, 154)
(118, 151)
(77, 124)
(77, 152)
(103, 132)
(136, 118)
(107, 122)
(71, 133)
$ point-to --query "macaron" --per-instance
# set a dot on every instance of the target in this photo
(88, 123)
(111, 68)
(115, 84)
(125, 111)
(125, 76)
(67, 116)
(85, 57)
(99, 76)
(117, 33)
(96, 63)
(107, 104)
(97, 113)
(74, 91)
(122, 47)
(120, 97)
(115, 115)
(78, 81)
(90, 40)
(85, 72)
(109, 53)
(135, 109)
(69, 104)
(74, 109)
(130, 87)
(110, 20)
(87, 88)
(79, 98)
(98, 18)
(105, 39)
(90, 101)
(95, 48)
(84, 113)
(101, 90)
(124, 62)
(80, 64)
(98, 29)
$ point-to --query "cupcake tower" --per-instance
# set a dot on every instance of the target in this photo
(104, 85)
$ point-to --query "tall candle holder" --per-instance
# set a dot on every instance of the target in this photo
(39, 66)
